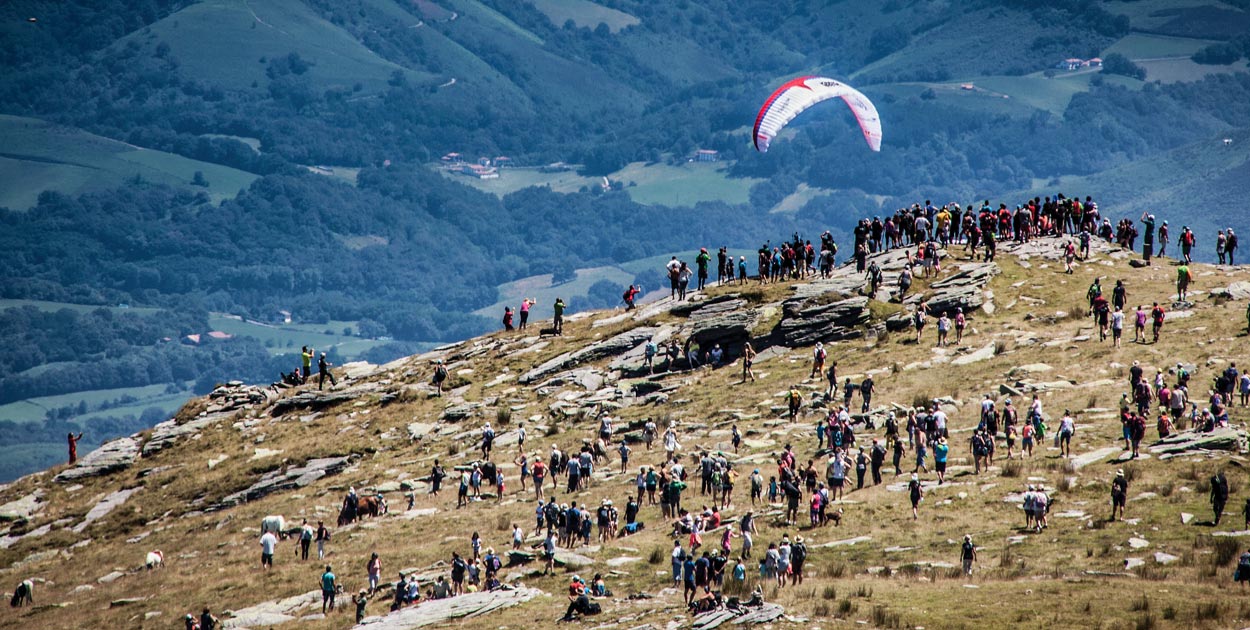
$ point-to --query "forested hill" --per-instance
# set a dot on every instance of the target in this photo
(221, 160)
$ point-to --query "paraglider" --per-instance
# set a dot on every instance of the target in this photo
(798, 95)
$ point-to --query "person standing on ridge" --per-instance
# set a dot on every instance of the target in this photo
(1148, 236)
(1219, 494)
(73, 446)
(525, 312)
(673, 268)
(1187, 240)
(306, 356)
(1230, 246)
(702, 261)
(558, 322)
(323, 372)
(507, 319)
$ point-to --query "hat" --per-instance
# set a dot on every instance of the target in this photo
(798, 539)
(1032, 487)
(914, 476)
(1119, 473)
(968, 537)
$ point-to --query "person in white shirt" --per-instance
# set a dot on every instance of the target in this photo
(1067, 426)
(1117, 326)
(268, 543)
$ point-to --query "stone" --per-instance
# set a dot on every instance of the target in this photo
(315, 400)
(1138, 543)
(847, 542)
(23, 508)
(1165, 558)
(1092, 457)
(986, 352)
(440, 611)
(803, 324)
(610, 347)
(126, 601)
(106, 505)
(1186, 518)
(288, 479)
(110, 577)
(272, 613)
(571, 560)
(1133, 563)
(747, 617)
(111, 457)
(622, 561)
(1224, 439)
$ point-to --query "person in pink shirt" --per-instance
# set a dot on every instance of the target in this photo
(525, 312)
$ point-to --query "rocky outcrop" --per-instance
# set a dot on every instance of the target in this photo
(289, 479)
(959, 290)
(803, 324)
(439, 611)
(23, 508)
(271, 613)
(749, 616)
(312, 401)
(727, 322)
(600, 350)
(111, 457)
(236, 395)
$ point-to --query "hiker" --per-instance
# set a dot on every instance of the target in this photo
(305, 539)
(877, 459)
(630, 295)
(558, 322)
(268, 544)
(940, 451)
(866, 390)
(488, 440)
(1242, 574)
(1230, 246)
(683, 281)
(525, 312)
(507, 319)
(1219, 494)
(374, 570)
(328, 588)
(794, 400)
(73, 446)
(306, 357)
(440, 376)
(207, 620)
(1156, 319)
(1067, 426)
(1119, 493)
(1186, 240)
(701, 261)
(818, 360)
(916, 494)
(323, 372)
(968, 554)
(323, 537)
(360, 600)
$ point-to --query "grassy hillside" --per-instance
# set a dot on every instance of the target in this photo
(585, 13)
(880, 566)
(36, 156)
(231, 42)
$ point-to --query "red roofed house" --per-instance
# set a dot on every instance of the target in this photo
(191, 339)
(217, 334)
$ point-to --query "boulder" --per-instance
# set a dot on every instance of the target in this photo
(959, 290)
(111, 457)
(23, 508)
(721, 324)
(803, 324)
(982, 354)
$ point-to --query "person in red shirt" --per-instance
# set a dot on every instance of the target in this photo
(73, 446)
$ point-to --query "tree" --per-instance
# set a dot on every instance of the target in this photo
(1115, 63)
(1219, 54)
(562, 272)
(887, 40)
(198, 179)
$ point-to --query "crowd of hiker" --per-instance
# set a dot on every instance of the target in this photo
(850, 444)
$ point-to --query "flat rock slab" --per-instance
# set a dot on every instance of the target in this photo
(610, 347)
(1225, 439)
(1093, 457)
(1138, 543)
(438, 611)
(22, 508)
(745, 617)
(289, 479)
(847, 542)
(106, 505)
(985, 353)
(1165, 558)
(167, 433)
(111, 457)
(272, 613)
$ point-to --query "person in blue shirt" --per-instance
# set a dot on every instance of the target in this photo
(328, 586)
(740, 571)
(687, 579)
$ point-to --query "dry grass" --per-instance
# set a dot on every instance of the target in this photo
(223, 544)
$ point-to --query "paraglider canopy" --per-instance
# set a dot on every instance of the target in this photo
(798, 95)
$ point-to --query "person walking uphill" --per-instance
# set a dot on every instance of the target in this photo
(1219, 495)
(328, 588)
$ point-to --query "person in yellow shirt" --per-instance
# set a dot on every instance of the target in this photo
(944, 225)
